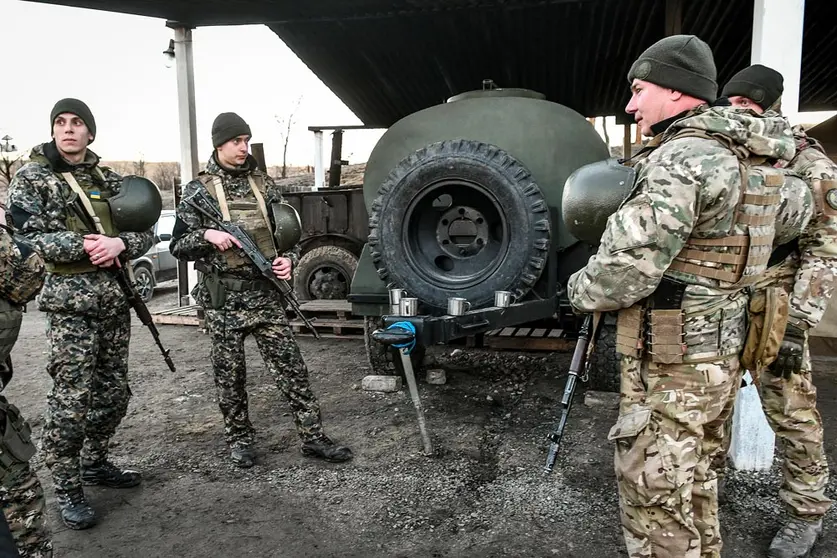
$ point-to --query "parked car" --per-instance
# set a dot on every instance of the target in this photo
(156, 265)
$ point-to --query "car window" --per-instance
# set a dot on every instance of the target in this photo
(166, 224)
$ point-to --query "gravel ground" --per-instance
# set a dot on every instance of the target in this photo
(482, 493)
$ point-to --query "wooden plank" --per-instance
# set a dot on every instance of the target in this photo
(530, 343)
(523, 332)
(507, 331)
(176, 320)
(326, 306)
(539, 332)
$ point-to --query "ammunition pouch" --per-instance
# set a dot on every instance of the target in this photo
(655, 327)
(16, 445)
(767, 317)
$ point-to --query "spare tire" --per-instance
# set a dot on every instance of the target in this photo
(459, 218)
(325, 273)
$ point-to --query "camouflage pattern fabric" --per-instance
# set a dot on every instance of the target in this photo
(88, 362)
(671, 418)
(814, 282)
(24, 506)
(256, 312)
(666, 433)
(88, 320)
(790, 406)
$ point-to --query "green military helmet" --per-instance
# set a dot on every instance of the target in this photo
(137, 206)
(592, 194)
(288, 226)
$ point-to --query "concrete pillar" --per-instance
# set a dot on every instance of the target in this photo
(777, 43)
(319, 169)
(186, 275)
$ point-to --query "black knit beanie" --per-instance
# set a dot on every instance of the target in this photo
(758, 83)
(680, 62)
(228, 125)
(74, 106)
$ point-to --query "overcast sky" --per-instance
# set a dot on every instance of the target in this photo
(114, 63)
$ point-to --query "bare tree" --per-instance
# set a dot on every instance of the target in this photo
(139, 166)
(10, 159)
(166, 175)
(285, 125)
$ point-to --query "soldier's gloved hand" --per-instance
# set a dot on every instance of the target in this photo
(790, 356)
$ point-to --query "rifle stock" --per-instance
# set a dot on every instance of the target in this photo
(578, 363)
(251, 250)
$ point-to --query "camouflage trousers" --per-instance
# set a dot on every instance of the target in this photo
(25, 509)
(669, 426)
(243, 315)
(88, 362)
(791, 410)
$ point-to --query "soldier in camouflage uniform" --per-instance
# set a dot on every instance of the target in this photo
(806, 269)
(671, 262)
(21, 495)
(237, 299)
(88, 320)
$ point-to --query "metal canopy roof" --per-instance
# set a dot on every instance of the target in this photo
(388, 59)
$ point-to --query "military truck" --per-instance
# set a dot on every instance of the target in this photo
(465, 199)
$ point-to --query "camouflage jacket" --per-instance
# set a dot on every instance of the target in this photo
(188, 242)
(39, 201)
(813, 267)
(684, 185)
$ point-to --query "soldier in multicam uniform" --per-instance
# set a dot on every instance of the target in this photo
(88, 319)
(806, 268)
(237, 299)
(674, 262)
(21, 494)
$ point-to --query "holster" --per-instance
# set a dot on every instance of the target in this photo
(16, 446)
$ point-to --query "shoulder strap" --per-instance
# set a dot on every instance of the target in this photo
(85, 201)
(215, 186)
(262, 206)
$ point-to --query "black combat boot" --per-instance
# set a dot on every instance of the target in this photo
(107, 474)
(76, 513)
(324, 448)
(243, 455)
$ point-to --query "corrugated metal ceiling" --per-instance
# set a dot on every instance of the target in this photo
(387, 59)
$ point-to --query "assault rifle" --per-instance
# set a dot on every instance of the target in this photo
(579, 362)
(134, 300)
(251, 250)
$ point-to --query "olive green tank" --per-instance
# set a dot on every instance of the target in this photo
(464, 198)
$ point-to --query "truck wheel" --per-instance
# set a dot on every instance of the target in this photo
(459, 216)
(325, 273)
(376, 353)
(604, 367)
(144, 283)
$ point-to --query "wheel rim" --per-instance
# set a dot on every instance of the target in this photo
(143, 285)
(327, 282)
(455, 234)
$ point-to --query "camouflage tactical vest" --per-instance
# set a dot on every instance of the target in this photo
(249, 213)
(737, 258)
(740, 256)
(98, 202)
(22, 269)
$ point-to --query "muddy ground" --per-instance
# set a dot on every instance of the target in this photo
(482, 494)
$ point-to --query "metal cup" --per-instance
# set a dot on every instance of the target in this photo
(395, 297)
(503, 299)
(409, 306)
(458, 306)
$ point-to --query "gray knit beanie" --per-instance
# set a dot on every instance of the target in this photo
(74, 106)
(228, 125)
(680, 62)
